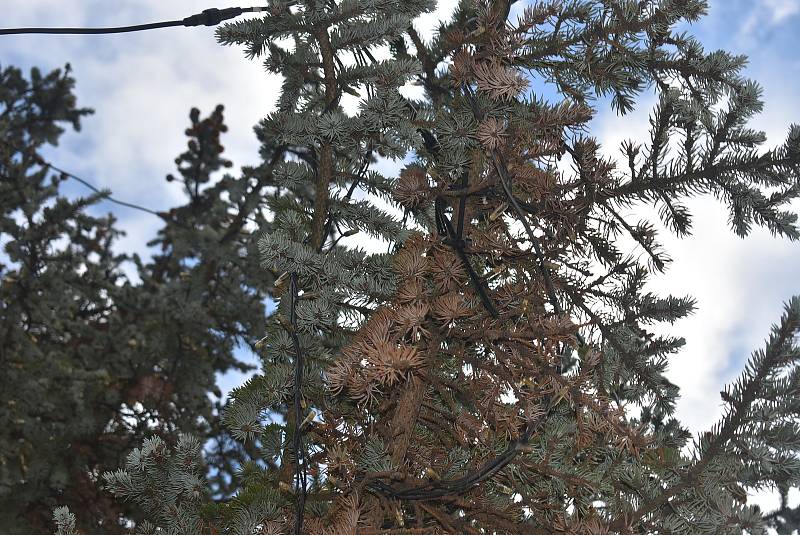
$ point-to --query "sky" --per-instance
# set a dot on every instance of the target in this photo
(142, 86)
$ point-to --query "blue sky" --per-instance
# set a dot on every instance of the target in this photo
(142, 86)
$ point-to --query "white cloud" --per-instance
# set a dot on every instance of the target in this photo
(765, 14)
(781, 9)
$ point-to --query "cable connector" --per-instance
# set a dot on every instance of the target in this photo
(213, 16)
(209, 17)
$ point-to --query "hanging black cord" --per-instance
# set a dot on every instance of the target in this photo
(89, 31)
(438, 489)
(66, 174)
(208, 17)
(445, 228)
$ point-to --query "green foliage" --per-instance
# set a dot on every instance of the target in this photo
(65, 521)
(93, 362)
(171, 481)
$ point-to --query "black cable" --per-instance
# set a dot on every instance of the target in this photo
(445, 228)
(105, 193)
(208, 17)
(441, 488)
(89, 31)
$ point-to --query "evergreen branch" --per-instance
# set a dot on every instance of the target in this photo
(254, 196)
(326, 169)
(773, 356)
(441, 488)
(502, 170)
(435, 90)
(639, 237)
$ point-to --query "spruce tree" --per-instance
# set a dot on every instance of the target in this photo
(477, 377)
(47, 372)
(93, 362)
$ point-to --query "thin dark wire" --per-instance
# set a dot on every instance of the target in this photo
(92, 31)
(208, 17)
(438, 489)
(501, 167)
(106, 194)
(445, 227)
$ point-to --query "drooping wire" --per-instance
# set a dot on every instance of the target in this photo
(454, 237)
(105, 193)
(208, 17)
(501, 167)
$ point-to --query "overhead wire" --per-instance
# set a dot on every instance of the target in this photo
(105, 193)
(208, 17)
